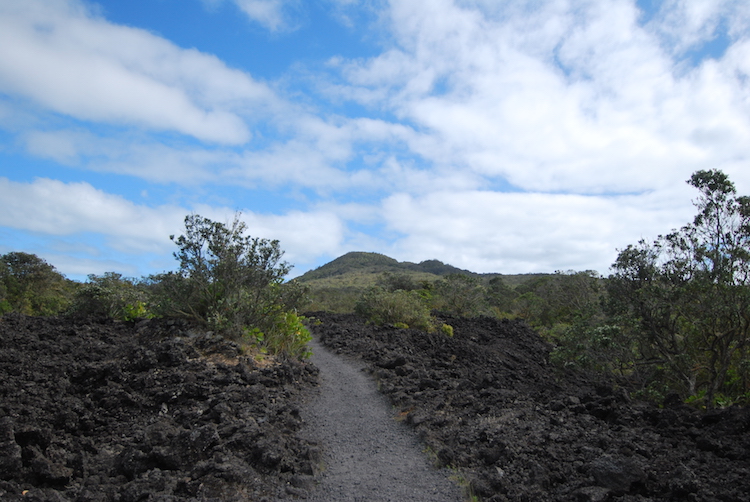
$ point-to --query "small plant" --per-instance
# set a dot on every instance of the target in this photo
(447, 330)
(136, 310)
(287, 337)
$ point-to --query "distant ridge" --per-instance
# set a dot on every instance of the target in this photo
(373, 263)
(337, 285)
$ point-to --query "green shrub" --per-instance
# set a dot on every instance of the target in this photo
(601, 348)
(390, 307)
(287, 336)
(111, 295)
(460, 294)
(29, 285)
(234, 284)
(397, 281)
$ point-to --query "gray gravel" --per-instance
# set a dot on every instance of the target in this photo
(367, 455)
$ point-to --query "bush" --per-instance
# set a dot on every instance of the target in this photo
(447, 330)
(397, 281)
(391, 307)
(461, 295)
(234, 284)
(288, 336)
(602, 348)
(111, 295)
(29, 285)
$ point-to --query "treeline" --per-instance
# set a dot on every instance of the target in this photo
(672, 318)
(229, 282)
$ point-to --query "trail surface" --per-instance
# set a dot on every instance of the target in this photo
(367, 455)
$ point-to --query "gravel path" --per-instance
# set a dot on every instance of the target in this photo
(367, 454)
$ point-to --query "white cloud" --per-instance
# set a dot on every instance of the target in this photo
(130, 155)
(268, 13)
(687, 24)
(563, 103)
(562, 96)
(527, 232)
(70, 61)
(58, 209)
(303, 235)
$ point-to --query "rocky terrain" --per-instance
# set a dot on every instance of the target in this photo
(487, 404)
(113, 411)
(159, 410)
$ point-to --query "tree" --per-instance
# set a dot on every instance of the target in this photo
(560, 299)
(111, 295)
(32, 286)
(234, 283)
(500, 296)
(460, 294)
(686, 297)
(227, 274)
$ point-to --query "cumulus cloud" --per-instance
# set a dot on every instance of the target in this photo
(560, 96)
(526, 232)
(57, 209)
(68, 60)
(510, 136)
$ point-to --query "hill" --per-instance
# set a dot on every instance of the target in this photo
(363, 268)
(359, 262)
(336, 285)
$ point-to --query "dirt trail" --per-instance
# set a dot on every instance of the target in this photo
(367, 454)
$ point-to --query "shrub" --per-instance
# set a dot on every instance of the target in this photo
(287, 336)
(397, 281)
(460, 294)
(234, 283)
(29, 285)
(390, 307)
(602, 348)
(111, 295)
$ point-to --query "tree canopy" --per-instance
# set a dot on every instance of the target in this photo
(685, 298)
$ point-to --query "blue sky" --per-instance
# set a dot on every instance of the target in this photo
(513, 137)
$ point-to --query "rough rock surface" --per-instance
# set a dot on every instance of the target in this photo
(100, 411)
(487, 403)
(154, 410)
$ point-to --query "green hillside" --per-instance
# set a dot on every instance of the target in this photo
(337, 284)
(357, 264)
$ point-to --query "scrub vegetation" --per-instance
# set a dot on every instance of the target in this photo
(672, 318)
(231, 283)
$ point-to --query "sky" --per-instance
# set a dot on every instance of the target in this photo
(514, 136)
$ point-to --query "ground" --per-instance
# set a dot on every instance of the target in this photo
(160, 410)
(488, 404)
(104, 410)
